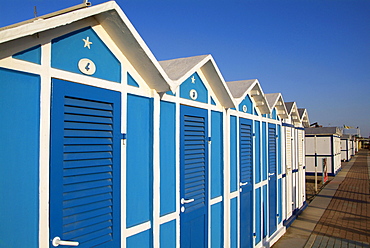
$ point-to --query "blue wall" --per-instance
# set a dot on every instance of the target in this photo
(167, 157)
(140, 240)
(67, 50)
(168, 234)
(32, 54)
(19, 158)
(248, 103)
(264, 151)
(216, 154)
(234, 223)
(198, 85)
(139, 160)
(280, 200)
(265, 211)
(233, 154)
(258, 215)
(279, 152)
(217, 225)
(131, 81)
(257, 146)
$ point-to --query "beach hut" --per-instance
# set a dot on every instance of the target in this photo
(303, 116)
(277, 105)
(255, 139)
(346, 145)
(196, 113)
(294, 161)
(323, 152)
(80, 96)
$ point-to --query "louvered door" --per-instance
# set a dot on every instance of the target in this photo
(246, 182)
(288, 171)
(194, 177)
(272, 178)
(85, 165)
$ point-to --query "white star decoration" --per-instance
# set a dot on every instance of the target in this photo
(193, 79)
(87, 42)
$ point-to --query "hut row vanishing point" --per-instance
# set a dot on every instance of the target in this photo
(102, 145)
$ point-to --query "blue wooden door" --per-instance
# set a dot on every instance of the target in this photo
(246, 182)
(85, 165)
(194, 177)
(272, 178)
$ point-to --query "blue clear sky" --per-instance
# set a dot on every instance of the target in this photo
(316, 53)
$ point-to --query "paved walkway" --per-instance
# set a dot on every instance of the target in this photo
(340, 215)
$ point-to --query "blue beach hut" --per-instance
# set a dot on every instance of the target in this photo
(79, 96)
(255, 165)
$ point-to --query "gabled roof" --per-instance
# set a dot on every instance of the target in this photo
(303, 115)
(275, 100)
(240, 89)
(115, 23)
(293, 112)
(178, 70)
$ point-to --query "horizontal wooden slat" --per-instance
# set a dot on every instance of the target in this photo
(86, 215)
(87, 170)
(88, 148)
(99, 240)
(86, 200)
(74, 234)
(71, 231)
(86, 193)
(87, 112)
(87, 133)
(85, 208)
(87, 126)
(86, 185)
(85, 163)
(86, 178)
(87, 155)
(69, 101)
(87, 141)
(87, 119)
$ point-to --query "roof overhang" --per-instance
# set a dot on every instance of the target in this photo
(240, 89)
(303, 115)
(293, 112)
(275, 100)
(180, 69)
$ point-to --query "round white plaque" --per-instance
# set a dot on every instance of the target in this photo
(86, 66)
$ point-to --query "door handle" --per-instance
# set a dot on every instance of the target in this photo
(271, 174)
(57, 241)
(184, 201)
(242, 184)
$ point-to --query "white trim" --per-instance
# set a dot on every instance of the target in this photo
(20, 65)
(226, 170)
(177, 144)
(209, 171)
(156, 170)
(86, 80)
(215, 200)
(234, 194)
(167, 218)
(137, 229)
(45, 106)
